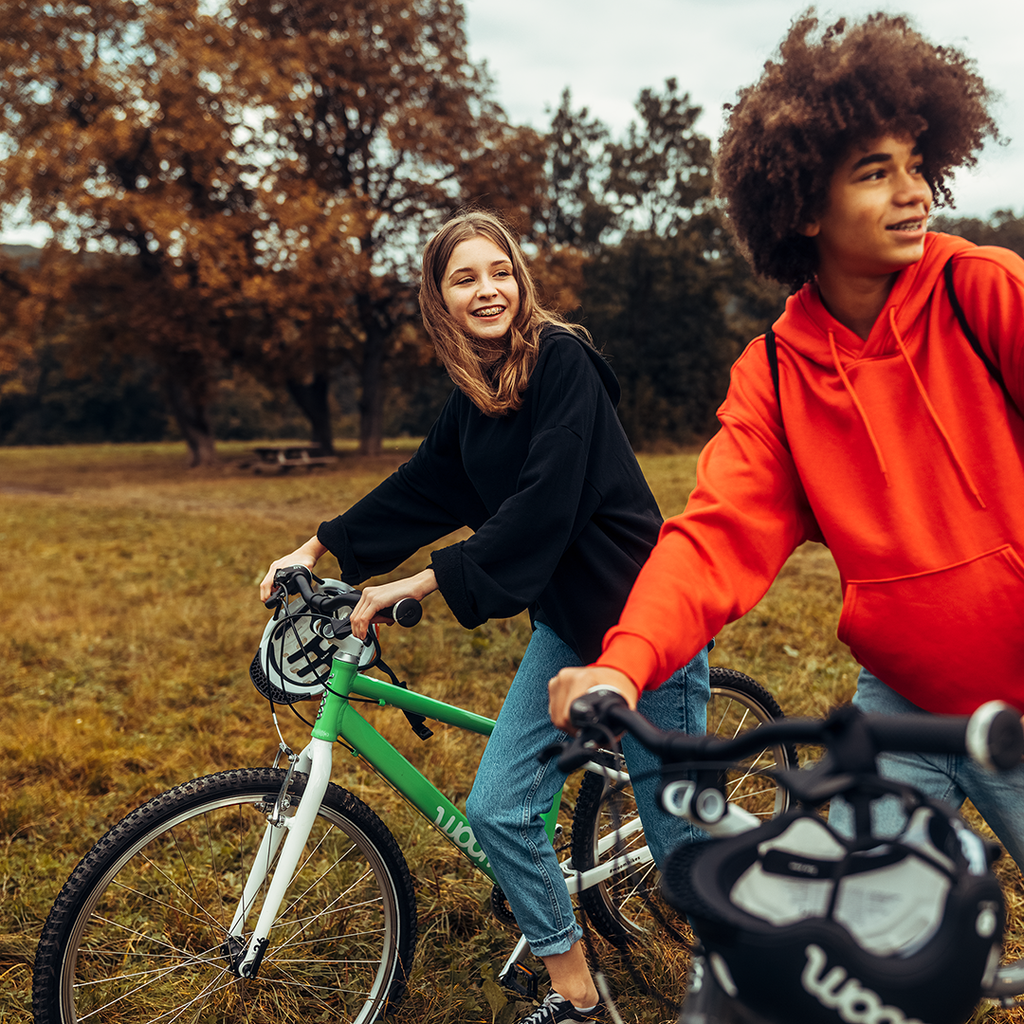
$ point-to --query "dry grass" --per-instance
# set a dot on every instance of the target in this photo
(130, 617)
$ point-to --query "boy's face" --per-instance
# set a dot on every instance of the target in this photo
(877, 212)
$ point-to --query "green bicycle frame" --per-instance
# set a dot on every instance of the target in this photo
(338, 719)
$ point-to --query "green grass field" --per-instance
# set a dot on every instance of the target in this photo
(130, 616)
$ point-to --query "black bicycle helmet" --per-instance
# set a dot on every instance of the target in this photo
(798, 926)
(294, 661)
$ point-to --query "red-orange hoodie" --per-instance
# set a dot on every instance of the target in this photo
(901, 453)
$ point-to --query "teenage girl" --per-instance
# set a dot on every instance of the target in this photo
(529, 453)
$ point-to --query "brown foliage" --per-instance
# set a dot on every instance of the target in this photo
(261, 174)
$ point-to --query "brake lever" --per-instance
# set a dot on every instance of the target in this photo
(570, 754)
(576, 751)
(297, 579)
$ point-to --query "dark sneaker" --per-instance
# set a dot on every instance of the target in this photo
(555, 1008)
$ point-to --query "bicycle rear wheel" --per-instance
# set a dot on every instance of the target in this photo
(138, 933)
(626, 906)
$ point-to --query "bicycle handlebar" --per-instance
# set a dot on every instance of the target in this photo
(993, 735)
(298, 579)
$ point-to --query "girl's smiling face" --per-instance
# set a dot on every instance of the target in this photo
(480, 289)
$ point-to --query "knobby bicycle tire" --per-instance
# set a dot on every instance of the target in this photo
(625, 908)
(137, 934)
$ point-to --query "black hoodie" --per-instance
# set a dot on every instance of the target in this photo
(562, 514)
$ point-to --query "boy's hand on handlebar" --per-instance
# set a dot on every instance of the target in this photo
(387, 595)
(571, 683)
(308, 555)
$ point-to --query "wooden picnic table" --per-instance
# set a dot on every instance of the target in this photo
(281, 458)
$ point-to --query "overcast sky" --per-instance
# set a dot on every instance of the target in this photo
(606, 51)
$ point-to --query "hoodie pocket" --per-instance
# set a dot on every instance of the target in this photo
(947, 639)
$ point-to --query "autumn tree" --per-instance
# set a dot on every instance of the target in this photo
(16, 321)
(1003, 228)
(260, 176)
(666, 294)
(578, 213)
(385, 110)
(659, 176)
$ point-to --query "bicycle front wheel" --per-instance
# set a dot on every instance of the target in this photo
(139, 932)
(606, 822)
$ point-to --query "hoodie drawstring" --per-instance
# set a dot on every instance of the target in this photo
(950, 447)
(860, 408)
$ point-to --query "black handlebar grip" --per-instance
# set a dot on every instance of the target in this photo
(919, 733)
(303, 583)
(407, 611)
(992, 736)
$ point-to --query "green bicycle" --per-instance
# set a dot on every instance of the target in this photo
(269, 894)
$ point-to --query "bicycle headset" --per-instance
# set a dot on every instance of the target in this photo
(294, 658)
(801, 924)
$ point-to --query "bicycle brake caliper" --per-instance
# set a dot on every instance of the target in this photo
(283, 801)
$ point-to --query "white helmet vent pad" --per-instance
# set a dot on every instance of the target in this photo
(293, 662)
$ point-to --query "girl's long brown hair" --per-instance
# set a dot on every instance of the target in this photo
(493, 380)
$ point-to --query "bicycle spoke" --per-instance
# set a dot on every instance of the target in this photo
(147, 939)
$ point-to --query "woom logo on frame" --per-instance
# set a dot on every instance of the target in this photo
(461, 835)
(837, 991)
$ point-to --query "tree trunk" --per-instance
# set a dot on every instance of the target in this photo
(313, 399)
(189, 407)
(371, 399)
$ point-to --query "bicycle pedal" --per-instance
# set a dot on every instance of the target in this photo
(521, 980)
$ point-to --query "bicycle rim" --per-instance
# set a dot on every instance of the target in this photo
(739, 704)
(139, 932)
(606, 821)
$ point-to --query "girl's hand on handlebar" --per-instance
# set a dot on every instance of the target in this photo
(571, 683)
(386, 595)
(308, 555)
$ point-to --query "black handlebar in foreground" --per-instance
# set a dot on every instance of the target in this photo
(297, 579)
(992, 736)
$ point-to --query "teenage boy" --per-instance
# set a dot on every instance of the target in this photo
(886, 435)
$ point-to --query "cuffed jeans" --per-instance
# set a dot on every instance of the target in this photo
(513, 789)
(998, 796)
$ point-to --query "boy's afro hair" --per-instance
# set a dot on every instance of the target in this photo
(787, 133)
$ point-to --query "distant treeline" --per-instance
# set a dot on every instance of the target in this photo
(238, 198)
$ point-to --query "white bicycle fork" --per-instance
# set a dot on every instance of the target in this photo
(293, 830)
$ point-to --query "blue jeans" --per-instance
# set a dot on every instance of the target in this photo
(512, 789)
(998, 796)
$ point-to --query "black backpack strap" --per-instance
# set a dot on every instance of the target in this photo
(773, 357)
(772, 349)
(969, 334)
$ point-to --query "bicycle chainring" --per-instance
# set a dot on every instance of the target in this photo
(500, 908)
